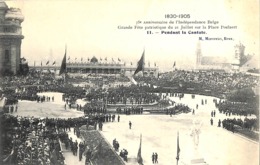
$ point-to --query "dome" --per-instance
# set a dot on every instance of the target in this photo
(3, 5)
(14, 13)
(94, 59)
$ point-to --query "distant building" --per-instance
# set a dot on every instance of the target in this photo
(95, 66)
(10, 38)
(252, 64)
(221, 63)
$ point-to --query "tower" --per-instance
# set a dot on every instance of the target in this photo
(10, 38)
(239, 53)
(198, 55)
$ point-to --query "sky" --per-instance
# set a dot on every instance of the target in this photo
(90, 28)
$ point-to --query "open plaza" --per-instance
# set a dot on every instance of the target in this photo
(181, 100)
(159, 132)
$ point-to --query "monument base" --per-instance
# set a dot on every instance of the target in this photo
(195, 161)
(198, 161)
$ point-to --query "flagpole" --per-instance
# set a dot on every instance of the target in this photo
(178, 149)
(143, 62)
(65, 74)
(139, 154)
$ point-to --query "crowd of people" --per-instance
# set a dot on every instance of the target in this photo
(178, 108)
(123, 95)
(237, 108)
(29, 141)
(130, 110)
(232, 124)
(39, 138)
(222, 81)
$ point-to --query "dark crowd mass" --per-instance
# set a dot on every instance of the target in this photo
(31, 140)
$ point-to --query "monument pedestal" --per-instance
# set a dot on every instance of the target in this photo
(198, 161)
(195, 161)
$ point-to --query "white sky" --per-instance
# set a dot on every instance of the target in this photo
(89, 28)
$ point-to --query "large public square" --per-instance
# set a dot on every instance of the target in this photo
(173, 82)
(159, 133)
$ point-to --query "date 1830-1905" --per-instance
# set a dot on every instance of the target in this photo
(177, 15)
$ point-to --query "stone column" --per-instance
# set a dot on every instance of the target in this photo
(13, 55)
(1, 56)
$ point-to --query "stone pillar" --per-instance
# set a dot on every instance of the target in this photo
(18, 54)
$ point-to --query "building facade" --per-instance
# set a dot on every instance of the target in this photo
(210, 62)
(10, 38)
(94, 66)
(97, 67)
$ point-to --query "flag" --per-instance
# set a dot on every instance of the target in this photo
(63, 63)
(139, 156)
(54, 63)
(96, 151)
(133, 80)
(140, 65)
(53, 156)
(47, 62)
(174, 64)
(178, 148)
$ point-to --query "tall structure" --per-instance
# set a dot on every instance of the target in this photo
(198, 55)
(239, 52)
(239, 56)
(10, 38)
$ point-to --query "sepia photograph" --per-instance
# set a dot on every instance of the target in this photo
(95, 82)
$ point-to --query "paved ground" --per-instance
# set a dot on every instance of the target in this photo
(159, 134)
(70, 159)
(55, 109)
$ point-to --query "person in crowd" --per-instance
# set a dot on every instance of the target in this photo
(130, 124)
(153, 157)
(156, 158)
(118, 118)
(219, 123)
